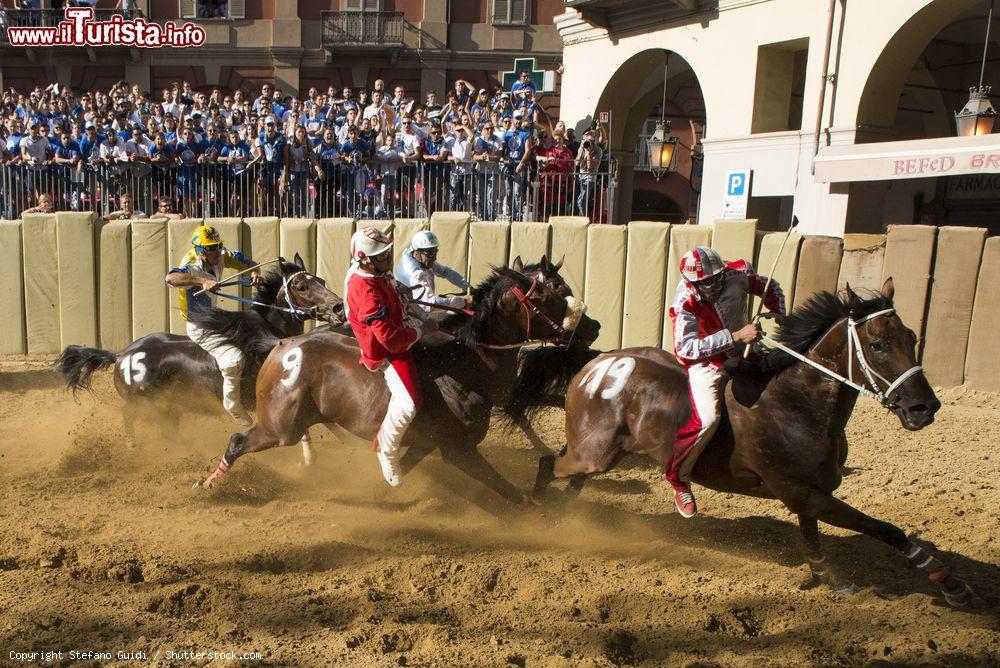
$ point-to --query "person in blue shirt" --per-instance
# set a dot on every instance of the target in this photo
(236, 187)
(272, 151)
(190, 153)
(436, 168)
(517, 147)
(523, 86)
(353, 154)
(68, 161)
(328, 152)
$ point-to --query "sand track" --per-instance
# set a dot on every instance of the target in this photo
(107, 548)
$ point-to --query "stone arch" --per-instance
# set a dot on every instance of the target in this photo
(880, 97)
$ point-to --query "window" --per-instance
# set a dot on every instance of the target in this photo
(510, 12)
(212, 9)
(781, 81)
(363, 5)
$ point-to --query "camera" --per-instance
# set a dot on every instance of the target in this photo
(587, 144)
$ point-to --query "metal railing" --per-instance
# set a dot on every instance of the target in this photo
(369, 189)
(47, 18)
(362, 28)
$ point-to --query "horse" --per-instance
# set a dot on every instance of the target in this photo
(783, 437)
(316, 378)
(168, 375)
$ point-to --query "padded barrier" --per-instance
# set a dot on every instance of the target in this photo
(12, 334)
(179, 233)
(645, 283)
(784, 271)
(41, 282)
(956, 269)
(605, 282)
(402, 233)
(682, 239)
(819, 265)
(298, 235)
(260, 238)
(529, 240)
(909, 256)
(77, 278)
(735, 239)
(333, 251)
(115, 294)
(488, 248)
(861, 265)
(982, 363)
(452, 230)
(151, 298)
(570, 239)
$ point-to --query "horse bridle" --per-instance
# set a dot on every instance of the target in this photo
(293, 308)
(532, 310)
(855, 351)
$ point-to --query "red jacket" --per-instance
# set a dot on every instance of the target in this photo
(376, 316)
(703, 331)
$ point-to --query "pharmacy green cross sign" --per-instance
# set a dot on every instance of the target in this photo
(544, 80)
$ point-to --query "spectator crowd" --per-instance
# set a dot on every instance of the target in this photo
(375, 153)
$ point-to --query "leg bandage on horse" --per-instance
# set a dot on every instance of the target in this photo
(705, 384)
(404, 402)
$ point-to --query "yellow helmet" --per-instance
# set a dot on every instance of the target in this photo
(205, 235)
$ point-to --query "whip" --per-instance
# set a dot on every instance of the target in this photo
(770, 277)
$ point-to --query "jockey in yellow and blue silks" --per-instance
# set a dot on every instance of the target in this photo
(201, 270)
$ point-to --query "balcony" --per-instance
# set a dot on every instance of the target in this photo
(48, 18)
(362, 29)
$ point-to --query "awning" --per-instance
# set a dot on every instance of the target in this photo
(923, 158)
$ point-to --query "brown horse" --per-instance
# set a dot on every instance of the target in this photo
(784, 437)
(316, 378)
(164, 375)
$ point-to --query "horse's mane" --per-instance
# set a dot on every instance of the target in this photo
(471, 330)
(801, 329)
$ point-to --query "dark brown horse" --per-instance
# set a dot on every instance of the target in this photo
(165, 375)
(316, 378)
(784, 437)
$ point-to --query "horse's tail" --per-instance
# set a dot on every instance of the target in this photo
(77, 363)
(543, 376)
(246, 330)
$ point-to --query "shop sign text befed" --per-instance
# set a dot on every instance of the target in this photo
(946, 164)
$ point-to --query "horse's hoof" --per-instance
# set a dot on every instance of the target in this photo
(845, 589)
(198, 485)
(957, 593)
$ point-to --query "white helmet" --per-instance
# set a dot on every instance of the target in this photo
(424, 240)
(368, 242)
(700, 263)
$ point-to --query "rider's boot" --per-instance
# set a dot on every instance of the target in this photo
(683, 497)
(390, 469)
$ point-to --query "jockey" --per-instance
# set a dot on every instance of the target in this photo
(201, 270)
(418, 267)
(710, 326)
(385, 336)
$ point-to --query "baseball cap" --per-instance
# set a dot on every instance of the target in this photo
(504, 96)
(482, 91)
(90, 126)
(270, 121)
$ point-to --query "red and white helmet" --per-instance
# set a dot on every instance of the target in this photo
(368, 242)
(700, 263)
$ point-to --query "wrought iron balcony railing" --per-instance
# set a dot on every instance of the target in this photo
(362, 29)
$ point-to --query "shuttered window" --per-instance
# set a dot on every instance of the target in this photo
(510, 12)
(237, 9)
(362, 5)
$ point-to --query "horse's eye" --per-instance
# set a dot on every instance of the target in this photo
(877, 346)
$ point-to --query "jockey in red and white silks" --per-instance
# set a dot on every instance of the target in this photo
(709, 316)
(379, 322)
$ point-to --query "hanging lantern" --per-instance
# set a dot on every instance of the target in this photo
(978, 115)
(662, 150)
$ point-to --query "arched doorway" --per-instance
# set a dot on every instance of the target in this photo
(919, 81)
(634, 97)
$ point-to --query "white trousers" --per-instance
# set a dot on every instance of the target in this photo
(706, 383)
(402, 410)
(230, 361)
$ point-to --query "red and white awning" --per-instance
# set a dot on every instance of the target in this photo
(923, 158)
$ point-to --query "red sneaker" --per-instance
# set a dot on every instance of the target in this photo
(684, 500)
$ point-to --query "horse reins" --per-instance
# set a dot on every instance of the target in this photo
(855, 351)
(293, 309)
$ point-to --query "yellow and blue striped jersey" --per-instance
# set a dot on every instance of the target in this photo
(194, 265)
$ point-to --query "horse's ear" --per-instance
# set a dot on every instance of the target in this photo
(299, 261)
(888, 289)
(852, 297)
(517, 265)
(559, 265)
